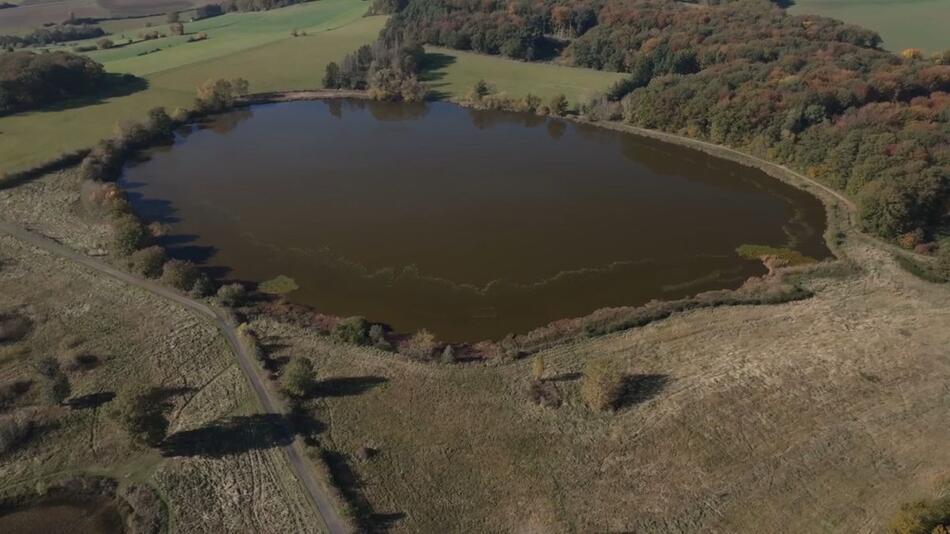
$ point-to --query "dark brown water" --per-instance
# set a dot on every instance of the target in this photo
(471, 224)
(63, 515)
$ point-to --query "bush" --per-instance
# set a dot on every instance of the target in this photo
(448, 354)
(130, 235)
(558, 105)
(420, 346)
(14, 327)
(297, 378)
(377, 336)
(147, 262)
(923, 517)
(14, 430)
(180, 274)
(352, 330)
(233, 295)
(603, 386)
(177, 29)
(142, 414)
(202, 287)
(105, 43)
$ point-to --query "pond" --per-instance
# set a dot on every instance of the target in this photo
(472, 224)
(63, 515)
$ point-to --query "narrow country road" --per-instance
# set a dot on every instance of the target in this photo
(295, 457)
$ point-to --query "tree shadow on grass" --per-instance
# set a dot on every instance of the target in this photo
(235, 435)
(351, 487)
(641, 388)
(347, 386)
(116, 85)
(432, 72)
(90, 401)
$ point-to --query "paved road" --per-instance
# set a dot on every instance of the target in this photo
(295, 457)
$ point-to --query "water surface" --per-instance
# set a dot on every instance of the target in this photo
(472, 224)
(63, 515)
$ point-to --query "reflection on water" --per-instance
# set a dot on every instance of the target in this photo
(63, 515)
(473, 224)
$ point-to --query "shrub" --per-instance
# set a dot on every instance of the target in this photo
(480, 90)
(14, 327)
(142, 414)
(147, 262)
(233, 295)
(537, 368)
(14, 430)
(448, 354)
(104, 43)
(57, 389)
(544, 394)
(922, 517)
(180, 274)
(603, 386)
(297, 378)
(202, 287)
(558, 105)
(352, 330)
(420, 346)
(177, 29)
(130, 235)
(377, 336)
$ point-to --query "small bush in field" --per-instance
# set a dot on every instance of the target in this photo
(232, 294)
(930, 516)
(130, 235)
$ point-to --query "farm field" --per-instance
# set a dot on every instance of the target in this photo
(257, 47)
(31, 14)
(108, 336)
(901, 23)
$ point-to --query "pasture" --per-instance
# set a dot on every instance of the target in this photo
(453, 73)
(31, 14)
(255, 46)
(901, 23)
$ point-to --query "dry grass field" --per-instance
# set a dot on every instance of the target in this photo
(108, 336)
(818, 415)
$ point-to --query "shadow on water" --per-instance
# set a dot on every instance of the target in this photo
(641, 388)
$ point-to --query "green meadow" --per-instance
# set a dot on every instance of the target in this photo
(923, 24)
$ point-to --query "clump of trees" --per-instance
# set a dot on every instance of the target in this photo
(928, 516)
(387, 69)
(809, 92)
(258, 5)
(219, 94)
(29, 80)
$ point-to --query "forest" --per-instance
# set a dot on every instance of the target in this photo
(810, 92)
(29, 80)
(58, 33)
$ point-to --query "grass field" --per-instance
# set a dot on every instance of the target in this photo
(32, 14)
(822, 415)
(255, 46)
(133, 339)
(901, 23)
(454, 73)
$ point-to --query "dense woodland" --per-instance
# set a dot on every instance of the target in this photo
(29, 80)
(258, 5)
(807, 91)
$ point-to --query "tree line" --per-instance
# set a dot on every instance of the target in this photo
(809, 92)
(53, 34)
